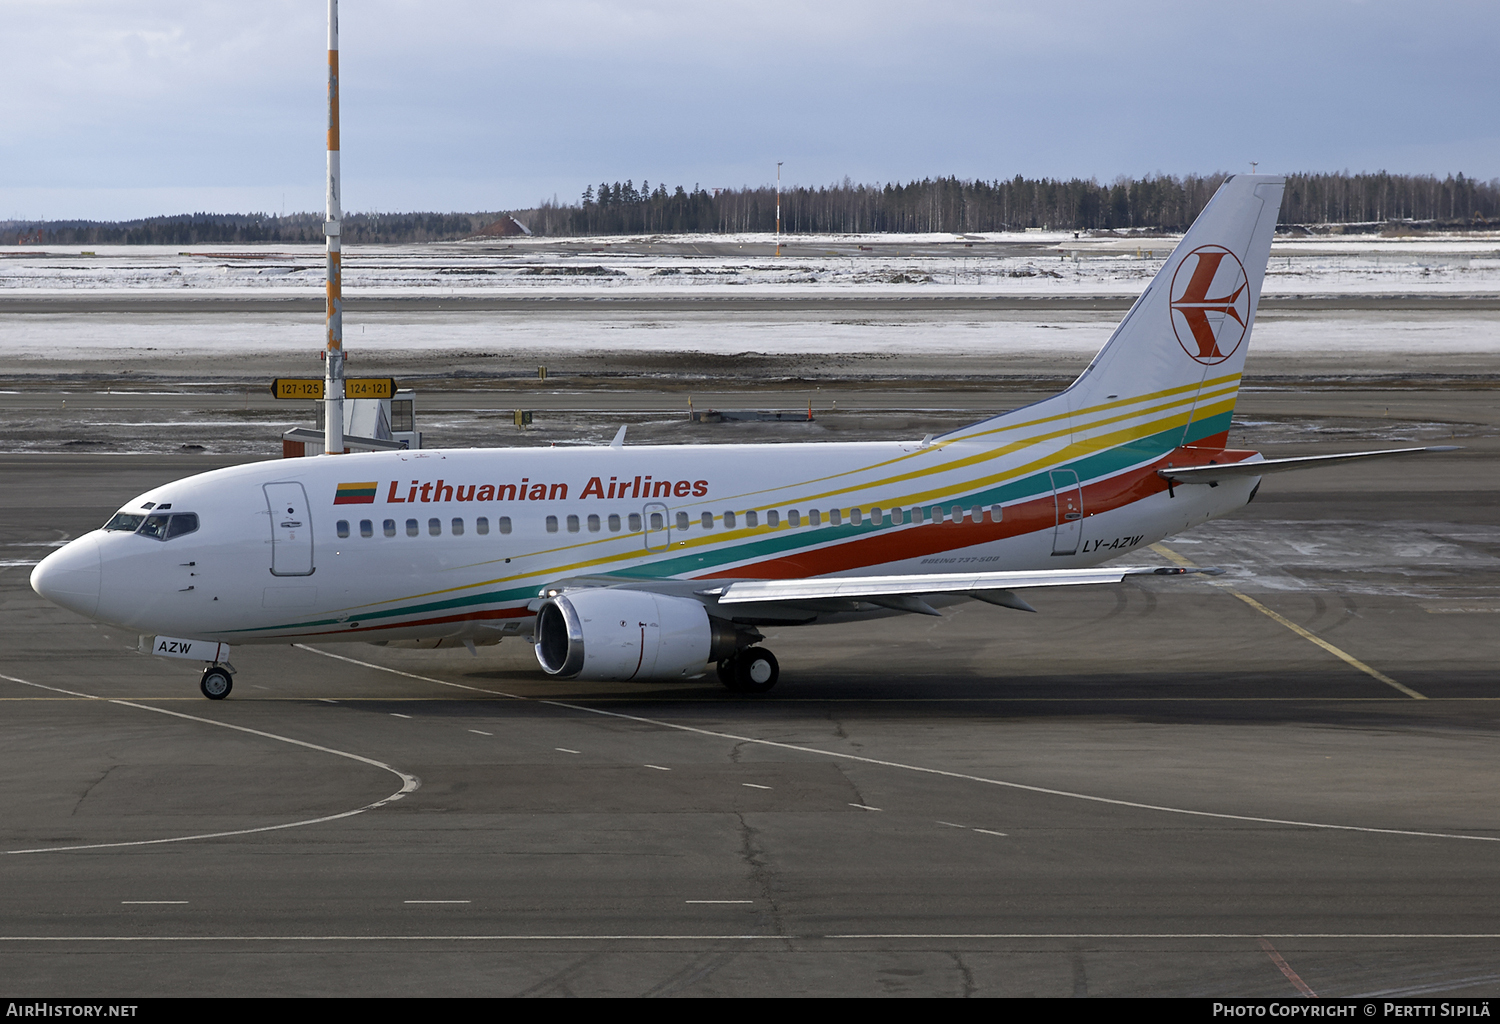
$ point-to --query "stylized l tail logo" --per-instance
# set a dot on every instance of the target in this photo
(1215, 323)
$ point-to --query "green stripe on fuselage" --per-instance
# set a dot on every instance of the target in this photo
(1090, 467)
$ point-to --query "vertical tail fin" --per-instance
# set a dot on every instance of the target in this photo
(1188, 333)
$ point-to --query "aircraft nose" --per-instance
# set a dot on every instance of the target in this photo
(70, 576)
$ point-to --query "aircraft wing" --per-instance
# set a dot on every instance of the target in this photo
(1260, 467)
(901, 592)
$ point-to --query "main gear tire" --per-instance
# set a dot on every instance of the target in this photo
(755, 670)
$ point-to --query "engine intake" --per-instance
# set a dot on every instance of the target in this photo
(628, 634)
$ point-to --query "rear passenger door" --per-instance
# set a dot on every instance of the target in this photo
(1067, 497)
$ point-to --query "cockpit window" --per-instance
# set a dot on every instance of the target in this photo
(162, 527)
(124, 521)
(182, 522)
(156, 526)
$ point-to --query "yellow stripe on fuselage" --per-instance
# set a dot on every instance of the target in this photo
(1074, 450)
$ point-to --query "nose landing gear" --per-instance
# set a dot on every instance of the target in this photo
(216, 682)
(752, 670)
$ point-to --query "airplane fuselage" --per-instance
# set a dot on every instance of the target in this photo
(391, 546)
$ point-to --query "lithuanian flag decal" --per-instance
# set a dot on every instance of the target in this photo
(355, 494)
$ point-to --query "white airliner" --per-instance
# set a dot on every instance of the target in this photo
(654, 562)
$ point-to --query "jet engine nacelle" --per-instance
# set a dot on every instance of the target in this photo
(627, 634)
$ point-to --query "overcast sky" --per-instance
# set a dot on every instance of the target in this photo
(114, 109)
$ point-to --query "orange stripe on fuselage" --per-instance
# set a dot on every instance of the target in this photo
(917, 541)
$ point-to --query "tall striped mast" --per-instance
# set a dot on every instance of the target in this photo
(333, 354)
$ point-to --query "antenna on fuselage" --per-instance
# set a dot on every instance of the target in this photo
(333, 351)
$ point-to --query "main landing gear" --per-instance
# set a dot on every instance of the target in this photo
(216, 682)
(751, 670)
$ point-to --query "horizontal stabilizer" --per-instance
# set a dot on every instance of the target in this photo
(1260, 467)
(871, 588)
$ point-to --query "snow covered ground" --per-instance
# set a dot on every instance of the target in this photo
(809, 339)
(938, 342)
(1033, 264)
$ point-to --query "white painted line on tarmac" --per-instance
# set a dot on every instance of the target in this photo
(481, 732)
(718, 901)
(418, 938)
(327, 700)
(152, 903)
(865, 807)
(971, 828)
(437, 901)
(881, 936)
(408, 675)
(397, 714)
(923, 770)
(658, 767)
(752, 785)
(565, 750)
(409, 783)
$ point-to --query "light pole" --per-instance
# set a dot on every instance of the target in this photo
(778, 207)
(333, 351)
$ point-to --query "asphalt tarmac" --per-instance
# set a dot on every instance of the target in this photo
(1278, 782)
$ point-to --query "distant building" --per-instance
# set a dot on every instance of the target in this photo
(505, 227)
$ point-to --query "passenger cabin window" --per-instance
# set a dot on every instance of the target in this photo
(614, 522)
(707, 520)
(573, 524)
(482, 526)
(657, 523)
(366, 528)
(594, 523)
(682, 520)
(503, 523)
(458, 527)
(411, 527)
(435, 527)
(752, 519)
(794, 518)
(341, 527)
(728, 520)
(835, 517)
(855, 515)
(551, 524)
(389, 527)
(635, 522)
(773, 519)
(814, 517)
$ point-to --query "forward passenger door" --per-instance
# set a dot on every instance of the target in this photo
(291, 530)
